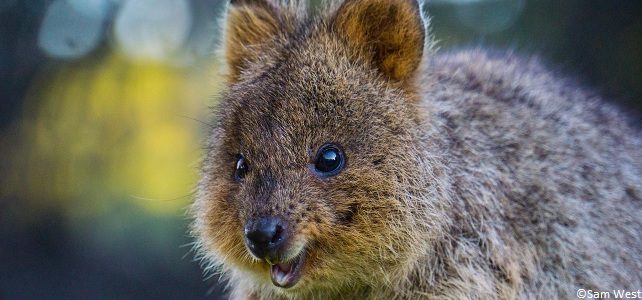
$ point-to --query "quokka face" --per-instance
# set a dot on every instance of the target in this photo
(302, 184)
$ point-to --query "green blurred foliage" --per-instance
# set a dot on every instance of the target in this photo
(107, 150)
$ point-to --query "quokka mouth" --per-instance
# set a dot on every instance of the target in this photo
(287, 274)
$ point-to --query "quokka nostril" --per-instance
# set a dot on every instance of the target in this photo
(277, 234)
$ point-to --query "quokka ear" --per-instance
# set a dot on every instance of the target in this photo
(389, 33)
(250, 24)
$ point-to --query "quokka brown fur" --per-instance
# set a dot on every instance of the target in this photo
(465, 175)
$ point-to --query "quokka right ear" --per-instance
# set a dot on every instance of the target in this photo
(250, 23)
(389, 33)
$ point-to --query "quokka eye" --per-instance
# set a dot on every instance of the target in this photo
(330, 160)
(241, 168)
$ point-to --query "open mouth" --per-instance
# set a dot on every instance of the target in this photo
(287, 274)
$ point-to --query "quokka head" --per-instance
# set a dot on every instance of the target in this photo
(307, 180)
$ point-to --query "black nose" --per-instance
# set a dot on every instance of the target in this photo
(264, 236)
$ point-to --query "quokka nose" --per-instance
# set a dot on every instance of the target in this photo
(264, 236)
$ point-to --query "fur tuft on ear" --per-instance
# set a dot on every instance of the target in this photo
(250, 24)
(389, 33)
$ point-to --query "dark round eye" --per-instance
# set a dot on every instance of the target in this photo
(330, 160)
(241, 168)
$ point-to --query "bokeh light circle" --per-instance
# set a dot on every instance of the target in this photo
(67, 33)
(152, 29)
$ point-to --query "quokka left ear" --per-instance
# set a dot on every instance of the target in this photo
(390, 33)
(250, 23)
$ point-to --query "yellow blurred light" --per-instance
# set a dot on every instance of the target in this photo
(102, 132)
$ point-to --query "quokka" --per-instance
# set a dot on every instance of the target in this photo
(349, 160)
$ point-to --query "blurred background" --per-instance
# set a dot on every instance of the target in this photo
(104, 104)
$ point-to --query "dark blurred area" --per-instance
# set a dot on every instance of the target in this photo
(104, 105)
